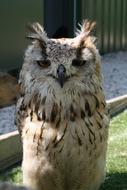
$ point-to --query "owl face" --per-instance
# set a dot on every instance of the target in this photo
(62, 63)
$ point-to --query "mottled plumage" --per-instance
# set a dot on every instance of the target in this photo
(61, 114)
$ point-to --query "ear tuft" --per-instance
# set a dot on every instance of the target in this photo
(84, 36)
(86, 28)
(36, 32)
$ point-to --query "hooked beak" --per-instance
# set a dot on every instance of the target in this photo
(61, 72)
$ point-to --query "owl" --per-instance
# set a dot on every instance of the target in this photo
(61, 113)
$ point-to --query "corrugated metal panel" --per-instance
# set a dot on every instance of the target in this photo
(110, 16)
(14, 16)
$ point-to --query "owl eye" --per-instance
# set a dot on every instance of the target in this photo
(44, 63)
(78, 62)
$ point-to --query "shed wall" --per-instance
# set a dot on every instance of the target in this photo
(110, 16)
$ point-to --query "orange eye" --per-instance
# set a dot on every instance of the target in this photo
(44, 63)
(78, 62)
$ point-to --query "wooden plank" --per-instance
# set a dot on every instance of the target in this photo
(9, 90)
(117, 105)
(10, 149)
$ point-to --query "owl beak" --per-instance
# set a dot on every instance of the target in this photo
(61, 72)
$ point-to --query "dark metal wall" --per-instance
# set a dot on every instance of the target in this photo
(58, 18)
(14, 16)
(111, 18)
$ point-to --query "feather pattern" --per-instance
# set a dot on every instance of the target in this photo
(64, 129)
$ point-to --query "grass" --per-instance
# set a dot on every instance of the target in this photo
(117, 154)
(13, 175)
(116, 157)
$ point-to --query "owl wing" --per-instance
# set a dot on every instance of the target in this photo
(21, 114)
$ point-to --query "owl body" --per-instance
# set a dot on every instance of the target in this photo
(61, 114)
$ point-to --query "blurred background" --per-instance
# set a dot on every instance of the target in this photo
(60, 18)
(14, 15)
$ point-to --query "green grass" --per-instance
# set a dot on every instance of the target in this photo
(117, 154)
(116, 157)
(13, 175)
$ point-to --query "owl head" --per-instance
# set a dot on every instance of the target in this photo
(61, 64)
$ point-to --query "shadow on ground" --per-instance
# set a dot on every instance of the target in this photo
(115, 181)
